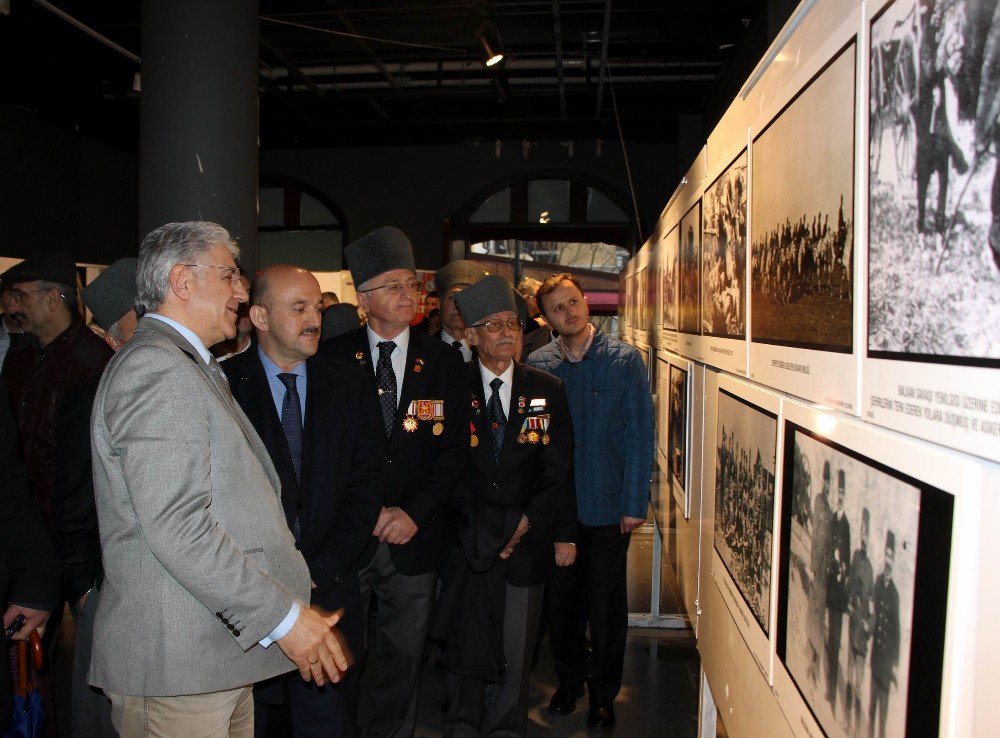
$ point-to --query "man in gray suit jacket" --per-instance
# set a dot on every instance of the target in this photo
(201, 573)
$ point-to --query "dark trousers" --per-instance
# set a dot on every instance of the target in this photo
(90, 709)
(835, 622)
(314, 712)
(387, 704)
(594, 589)
(477, 708)
(879, 701)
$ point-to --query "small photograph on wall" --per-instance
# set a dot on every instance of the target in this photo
(688, 275)
(640, 299)
(746, 442)
(724, 253)
(668, 279)
(677, 454)
(803, 216)
(934, 202)
(650, 284)
(855, 577)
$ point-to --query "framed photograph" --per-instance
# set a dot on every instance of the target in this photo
(678, 449)
(934, 194)
(663, 408)
(863, 587)
(669, 251)
(802, 227)
(724, 253)
(746, 459)
(689, 280)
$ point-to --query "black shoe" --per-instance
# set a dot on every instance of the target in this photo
(563, 702)
(602, 715)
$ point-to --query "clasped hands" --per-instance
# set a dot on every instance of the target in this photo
(394, 526)
(316, 646)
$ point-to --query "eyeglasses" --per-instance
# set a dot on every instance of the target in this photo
(394, 288)
(232, 272)
(19, 294)
(496, 325)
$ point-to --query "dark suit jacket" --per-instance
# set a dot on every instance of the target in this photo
(339, 498)
(422, 468)
(29, 571)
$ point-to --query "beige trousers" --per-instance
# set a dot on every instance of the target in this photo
(214, 715)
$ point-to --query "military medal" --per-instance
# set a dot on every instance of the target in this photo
(520, 405)
(438, 429)
(473, 440)
(532, 436)
(545, 439)
(543, 421)
(425, 409)
(409, 424)
(522, 438)
(417, 367)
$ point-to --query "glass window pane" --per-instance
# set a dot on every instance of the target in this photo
(272, 206)
(496, 209)
(317, 251)
(602, 257)
(548, 201)
(600, 209)
(315, 213)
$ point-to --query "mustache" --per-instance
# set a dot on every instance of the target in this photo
(19, 316)
(310, 331)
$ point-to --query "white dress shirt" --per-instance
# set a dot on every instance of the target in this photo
(464, 348)
(398, 358)
(505, 389)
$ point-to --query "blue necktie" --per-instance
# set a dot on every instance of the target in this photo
(494, 411)
(386, 379)
(291, 423)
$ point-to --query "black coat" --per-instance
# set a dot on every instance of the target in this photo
(29, 571)
(422, 468)
(342, 488)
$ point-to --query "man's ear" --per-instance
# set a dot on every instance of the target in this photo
(180, 281)
(258, 316)
(471, 338)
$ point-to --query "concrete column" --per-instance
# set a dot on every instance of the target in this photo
(199, 116)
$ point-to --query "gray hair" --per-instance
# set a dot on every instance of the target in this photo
(167, 246)
(67, 293)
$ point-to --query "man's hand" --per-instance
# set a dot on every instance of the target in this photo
(33, 620)
(312, 644)
(398, 529)
(383, 518)
(522, 528)
(565, 554)
(630, 524)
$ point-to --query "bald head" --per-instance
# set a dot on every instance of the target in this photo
(286, 309)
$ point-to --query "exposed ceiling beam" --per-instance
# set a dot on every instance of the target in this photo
(557, 29)
(604, 57)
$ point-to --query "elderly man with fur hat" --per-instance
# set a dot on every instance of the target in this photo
(449, 280)
(506, 516)
(424, 402)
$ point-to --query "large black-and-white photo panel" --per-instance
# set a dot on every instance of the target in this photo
(669, 268)
(862, 586)
(746, 459)
(934, 222)
(688, 272)
(802, 201)
(678, 450)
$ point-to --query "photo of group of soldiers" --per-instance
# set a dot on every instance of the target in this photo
(678, 432)
(723, 258)
(850, 594)
(668, 279)
(744, 499)
(934, 223)
(688, 277)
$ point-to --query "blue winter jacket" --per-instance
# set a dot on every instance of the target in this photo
(612, 414)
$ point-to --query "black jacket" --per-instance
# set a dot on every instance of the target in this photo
(423, 467)
(342, 488)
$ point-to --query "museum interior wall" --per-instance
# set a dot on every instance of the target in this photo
(819, 307)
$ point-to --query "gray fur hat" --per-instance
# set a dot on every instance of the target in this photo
(381, 251)
(492, 294)
(112, 294)
(459, 273)
(338, 319)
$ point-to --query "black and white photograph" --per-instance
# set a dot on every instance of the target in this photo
(678, 437)
(746, 442)
(669, 252)
(724, 253)
(850, 542)
(934, 202)
(803, 216)
(642, 312)
(688, 278)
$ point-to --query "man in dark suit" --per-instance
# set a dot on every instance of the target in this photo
(449, 280)
(421, 390)
(506, 511)
(29, 570)
(320, 424)
(836, 590)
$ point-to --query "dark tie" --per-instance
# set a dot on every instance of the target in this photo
(494, 411)
(220, 377)
(386, 378)
(457, 344)
(291, 423)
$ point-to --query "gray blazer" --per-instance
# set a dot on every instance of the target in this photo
(199, 563)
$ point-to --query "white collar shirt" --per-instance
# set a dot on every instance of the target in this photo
(505, 389)
(398, 358)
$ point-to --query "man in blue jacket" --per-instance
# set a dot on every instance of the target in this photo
(612, 414)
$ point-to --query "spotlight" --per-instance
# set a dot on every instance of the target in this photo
(491, 56)
(482, 31)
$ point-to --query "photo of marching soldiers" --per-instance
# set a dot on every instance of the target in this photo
(724, 253)
(803, 218)
(669, 248)
(934, 223)
(744, 499)
(677, 442)
(850, 589)
(688, 277)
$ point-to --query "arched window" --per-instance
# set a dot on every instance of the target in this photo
(298, 224)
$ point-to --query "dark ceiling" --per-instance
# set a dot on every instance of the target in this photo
(370, 72)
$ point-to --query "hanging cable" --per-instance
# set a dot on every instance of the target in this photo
(628, 166)
(360, 36)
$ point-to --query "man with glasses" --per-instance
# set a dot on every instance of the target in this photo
(506, 514)
(58, 354)
(10, 328)
(420, 386)
(449, 280)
